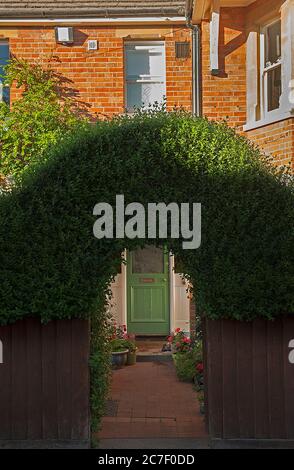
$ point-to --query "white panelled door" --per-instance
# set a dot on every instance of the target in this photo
(145, 74)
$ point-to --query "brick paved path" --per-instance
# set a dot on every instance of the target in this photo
(150, 402)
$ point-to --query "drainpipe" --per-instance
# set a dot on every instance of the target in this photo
(196, 61)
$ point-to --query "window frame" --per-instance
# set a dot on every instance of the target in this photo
(144, 78)
(5, 42)
(264, 73)
(256, 118)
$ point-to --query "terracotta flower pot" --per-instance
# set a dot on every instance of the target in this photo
(119, 358)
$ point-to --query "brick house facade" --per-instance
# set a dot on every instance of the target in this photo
(224, 96)
(238, 37)
(99, 75)
(114, 55)
(230, 83)
(233, 94)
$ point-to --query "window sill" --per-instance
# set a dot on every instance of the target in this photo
(268, 120)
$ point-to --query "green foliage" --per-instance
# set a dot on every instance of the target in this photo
(186, 362)
(198, 352)
(53, 267)
(118, 345)
(100, 366)
(45, 113)
(185, 366)
(130, 345)
(179, 340)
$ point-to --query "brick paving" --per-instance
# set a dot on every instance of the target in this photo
(152, 403)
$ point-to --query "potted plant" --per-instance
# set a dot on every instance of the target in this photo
(179, 341)
(132, 354)
(119, 352)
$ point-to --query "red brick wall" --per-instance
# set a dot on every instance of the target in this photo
(276, 139)
(224, 96)
(99, 75)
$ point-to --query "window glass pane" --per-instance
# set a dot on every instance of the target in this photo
(148, 260)
(144, 60)
(143, 94)
(145, 74)
(273, 43)
(137, 63)
(274, 86)
(4, 58)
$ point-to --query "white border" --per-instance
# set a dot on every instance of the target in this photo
(124, 20)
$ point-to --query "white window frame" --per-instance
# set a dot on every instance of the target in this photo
(256, 115)
(5, 42)
(264, 72)
(143, 78)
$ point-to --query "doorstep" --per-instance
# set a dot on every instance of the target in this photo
(150, 349)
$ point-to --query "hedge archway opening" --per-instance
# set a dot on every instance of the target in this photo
(53, 267)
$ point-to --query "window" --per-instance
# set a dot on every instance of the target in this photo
(271, 67)
(4, 58)
(145, 74)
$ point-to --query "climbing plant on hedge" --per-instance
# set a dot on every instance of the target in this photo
(53, 267)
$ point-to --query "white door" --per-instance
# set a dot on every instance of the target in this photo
(179, 299)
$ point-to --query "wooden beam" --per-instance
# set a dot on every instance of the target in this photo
(201, 11)
(214, 37)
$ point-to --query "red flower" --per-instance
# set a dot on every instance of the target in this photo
(178, 344)
(170, 339)
(177, 330)
(200, 367)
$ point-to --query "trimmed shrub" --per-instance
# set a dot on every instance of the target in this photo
(53, 267)
(185, 366)
(100, 370)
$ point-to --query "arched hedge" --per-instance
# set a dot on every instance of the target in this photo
(53, 267)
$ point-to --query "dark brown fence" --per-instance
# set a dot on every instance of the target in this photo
(44, 381)
(249, 379)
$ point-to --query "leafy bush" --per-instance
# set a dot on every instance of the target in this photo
(188, 363)
(198, 352)
(53, 267)
(185, 366)
(47, 110)
(130, 345)
(119, 345)
(100, 367)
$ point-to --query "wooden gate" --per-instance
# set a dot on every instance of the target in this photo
(44, 384)
(250, 380)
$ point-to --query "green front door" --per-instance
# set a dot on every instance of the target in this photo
(148, 291)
